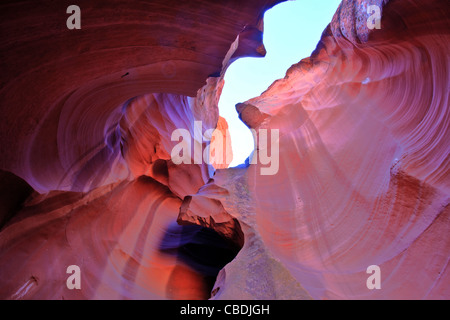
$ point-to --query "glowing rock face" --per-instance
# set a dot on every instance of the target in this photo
(364, 167)
(87, 121)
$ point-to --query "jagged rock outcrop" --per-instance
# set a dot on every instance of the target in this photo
(88, 178)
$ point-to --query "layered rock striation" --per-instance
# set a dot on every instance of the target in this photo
(88, 177)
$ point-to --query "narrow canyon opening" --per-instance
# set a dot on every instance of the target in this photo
(201, 252)
(292, 30)
(109, 190)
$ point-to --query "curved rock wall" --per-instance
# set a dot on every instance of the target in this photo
(364, 157)
(88, 179)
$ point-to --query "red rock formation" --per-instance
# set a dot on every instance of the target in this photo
(90, 111)
(88, 178)
(221, 150)
(364, 157)
(77, 81)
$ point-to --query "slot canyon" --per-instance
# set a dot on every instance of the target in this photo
(88, 179)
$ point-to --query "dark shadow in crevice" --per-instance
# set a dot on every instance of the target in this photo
(204, 251)
(13, 192)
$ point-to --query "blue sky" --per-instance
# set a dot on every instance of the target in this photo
(291, 32)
